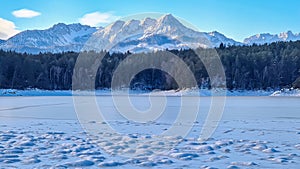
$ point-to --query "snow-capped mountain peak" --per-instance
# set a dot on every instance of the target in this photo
(113, 28)
(132, 26)
(169, 25)
(148, 22)
(286, 35)
(169, 19)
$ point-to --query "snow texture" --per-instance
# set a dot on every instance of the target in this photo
(252, 134)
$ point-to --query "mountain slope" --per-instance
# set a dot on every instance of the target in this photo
(269, 38)
(60, 37)
(2, 41)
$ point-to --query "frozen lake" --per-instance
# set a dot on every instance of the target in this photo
(254, 132)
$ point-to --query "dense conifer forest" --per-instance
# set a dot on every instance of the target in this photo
(256, 67)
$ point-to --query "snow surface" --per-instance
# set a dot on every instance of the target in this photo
(287, 92)
(43, 132)
(183, 92)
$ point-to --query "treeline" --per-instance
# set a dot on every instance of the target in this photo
(269, 66)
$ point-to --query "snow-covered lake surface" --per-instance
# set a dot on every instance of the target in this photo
(44, 132)
(107, 92)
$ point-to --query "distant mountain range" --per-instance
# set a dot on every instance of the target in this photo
(269, 38)
(133, 35)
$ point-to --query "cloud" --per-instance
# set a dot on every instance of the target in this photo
(25, 13)
(7, 29)
(97, 18)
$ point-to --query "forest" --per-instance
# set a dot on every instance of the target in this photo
(257, 67)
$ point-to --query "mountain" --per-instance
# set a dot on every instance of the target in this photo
(134, 35)
(150, 34)
(60, 37)
(269, 38)
(145, 35)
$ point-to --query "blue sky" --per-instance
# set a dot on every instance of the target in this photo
(237, 19)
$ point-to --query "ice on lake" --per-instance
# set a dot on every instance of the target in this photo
(44, 132)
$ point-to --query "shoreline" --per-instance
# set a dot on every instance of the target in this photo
(183, 92)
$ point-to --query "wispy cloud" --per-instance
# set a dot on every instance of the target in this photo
(7, 29)
(25, 13)
(97, 18)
